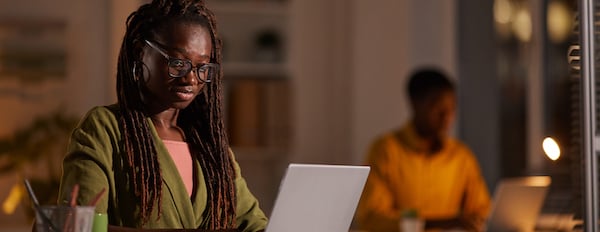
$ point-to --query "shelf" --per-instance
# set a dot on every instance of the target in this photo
(250, 7)
(257, 87)
(254, 70)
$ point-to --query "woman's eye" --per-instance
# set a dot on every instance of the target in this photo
(177, 63)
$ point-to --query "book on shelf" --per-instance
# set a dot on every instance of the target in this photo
(258, 112)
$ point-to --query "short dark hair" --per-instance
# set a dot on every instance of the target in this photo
(426, 81)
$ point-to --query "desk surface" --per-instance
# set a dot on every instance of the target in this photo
(127, 229)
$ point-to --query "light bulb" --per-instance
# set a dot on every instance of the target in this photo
(551, 148)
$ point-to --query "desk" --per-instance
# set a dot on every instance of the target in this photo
(557, 222)
(112, 228)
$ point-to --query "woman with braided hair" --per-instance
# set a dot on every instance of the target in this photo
(161, 153)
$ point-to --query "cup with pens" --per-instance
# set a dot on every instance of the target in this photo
(68, 218)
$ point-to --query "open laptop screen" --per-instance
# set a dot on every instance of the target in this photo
(317, 198)
(517, 203)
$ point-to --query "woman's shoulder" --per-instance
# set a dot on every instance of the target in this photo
(102, 112)
(100, 117)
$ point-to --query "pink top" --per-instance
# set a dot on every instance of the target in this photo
(180, 153)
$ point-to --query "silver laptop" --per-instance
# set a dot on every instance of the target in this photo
(317, 198)
(517, 203)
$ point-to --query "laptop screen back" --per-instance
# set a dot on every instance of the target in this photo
(517, 203)
(317, 198)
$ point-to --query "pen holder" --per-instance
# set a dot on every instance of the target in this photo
(64, 218)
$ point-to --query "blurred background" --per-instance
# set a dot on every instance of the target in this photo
(307, 81)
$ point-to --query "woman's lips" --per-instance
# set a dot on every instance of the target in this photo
(185, 93)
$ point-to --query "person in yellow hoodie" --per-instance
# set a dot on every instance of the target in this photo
(419, 167)
(161, 152)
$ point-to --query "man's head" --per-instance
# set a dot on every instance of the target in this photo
(433, 101)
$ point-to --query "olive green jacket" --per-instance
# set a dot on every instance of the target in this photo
(95, 160)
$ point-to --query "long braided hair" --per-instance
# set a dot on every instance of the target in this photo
(201, 121)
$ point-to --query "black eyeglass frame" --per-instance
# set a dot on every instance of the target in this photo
(174, 63)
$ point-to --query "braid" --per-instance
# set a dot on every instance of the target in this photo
(202, 120)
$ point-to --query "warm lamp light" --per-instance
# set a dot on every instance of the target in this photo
(503, 15)
(559, 21)
(522, 25)
(551, 148)
(503, 11)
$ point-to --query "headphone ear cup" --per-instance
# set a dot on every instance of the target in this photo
(136, 71)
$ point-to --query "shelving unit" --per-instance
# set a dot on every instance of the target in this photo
(257, 89)
(240, 24)
(254, 73)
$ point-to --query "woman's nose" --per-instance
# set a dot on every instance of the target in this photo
(191, 78)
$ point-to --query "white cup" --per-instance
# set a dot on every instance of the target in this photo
(409, 224)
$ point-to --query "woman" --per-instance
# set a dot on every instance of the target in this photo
(161, 152)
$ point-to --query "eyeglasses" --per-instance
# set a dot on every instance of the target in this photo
(180, 67)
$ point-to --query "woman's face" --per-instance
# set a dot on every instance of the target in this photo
(186, 41)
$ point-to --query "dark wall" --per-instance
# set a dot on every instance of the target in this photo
(478, 86)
